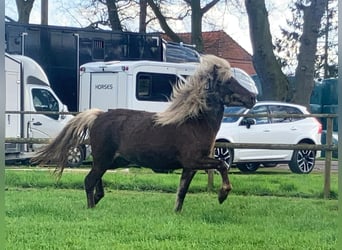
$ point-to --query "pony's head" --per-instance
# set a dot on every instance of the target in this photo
(231, 85)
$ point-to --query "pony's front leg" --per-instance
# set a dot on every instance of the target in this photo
(226, 186)
(222, 167)
(187, 176)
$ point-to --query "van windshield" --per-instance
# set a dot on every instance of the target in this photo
(43, 100)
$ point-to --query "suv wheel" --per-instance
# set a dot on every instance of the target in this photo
(225, 154)
(249, 167)
(303, 161)
(76, 156)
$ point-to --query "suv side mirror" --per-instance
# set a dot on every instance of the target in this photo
(248, 122)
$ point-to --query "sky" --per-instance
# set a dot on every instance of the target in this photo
(233, 21)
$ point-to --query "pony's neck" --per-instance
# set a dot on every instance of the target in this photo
(214, 113)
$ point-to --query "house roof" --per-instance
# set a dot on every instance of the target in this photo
(219, 43)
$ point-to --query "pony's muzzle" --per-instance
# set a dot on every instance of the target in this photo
(223, 193)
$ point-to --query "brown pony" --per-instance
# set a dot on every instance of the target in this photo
(181, 137)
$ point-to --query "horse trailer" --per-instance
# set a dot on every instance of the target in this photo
(61, 50)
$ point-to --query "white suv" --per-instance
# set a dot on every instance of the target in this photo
(260, 129)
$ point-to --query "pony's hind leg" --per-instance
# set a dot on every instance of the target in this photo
(91, 180)
(99, 191)
(187, 176)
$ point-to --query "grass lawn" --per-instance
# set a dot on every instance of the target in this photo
(268, 210)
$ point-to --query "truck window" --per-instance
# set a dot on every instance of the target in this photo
(43, 100)
(154, 86)
(98, 49)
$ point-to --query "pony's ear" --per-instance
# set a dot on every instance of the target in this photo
(215, 73)
(212, 80)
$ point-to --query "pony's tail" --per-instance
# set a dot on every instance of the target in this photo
(75, 132)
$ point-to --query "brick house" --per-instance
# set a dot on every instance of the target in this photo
(219, 43)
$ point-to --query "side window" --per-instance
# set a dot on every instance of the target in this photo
(283, 110)
(98, 49)
(154, 86)
(43, 100)
(260, 110)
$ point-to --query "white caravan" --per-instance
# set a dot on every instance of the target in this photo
(28, 89)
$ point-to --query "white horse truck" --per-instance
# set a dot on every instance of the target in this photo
(28, 89)
(139, 85)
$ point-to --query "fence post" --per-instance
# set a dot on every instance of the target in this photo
(210, 180)
(328, 158)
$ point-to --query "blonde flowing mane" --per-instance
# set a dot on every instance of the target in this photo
(189, 98)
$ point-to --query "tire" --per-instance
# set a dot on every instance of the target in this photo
(225, 154)
(76, 156)
(303, 161)
(249, 167)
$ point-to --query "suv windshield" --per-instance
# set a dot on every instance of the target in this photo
(232, 110)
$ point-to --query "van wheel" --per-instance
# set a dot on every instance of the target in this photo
(303, 161)
(76, 156)
(249, 167)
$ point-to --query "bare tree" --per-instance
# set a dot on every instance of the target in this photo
(163, 22)
(197, 13)
(304, 75)
(113, 15)
(24, 8)
(143, 16)
(274, 82)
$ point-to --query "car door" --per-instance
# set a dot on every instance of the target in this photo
(260, 132)
(265, 130)
(285, 129)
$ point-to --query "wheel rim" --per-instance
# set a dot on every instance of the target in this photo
(306, 160)
(223, 154)
(74, 156)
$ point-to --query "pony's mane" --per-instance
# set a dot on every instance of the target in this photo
(188, 98)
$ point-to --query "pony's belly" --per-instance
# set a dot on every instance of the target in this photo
(154, 160)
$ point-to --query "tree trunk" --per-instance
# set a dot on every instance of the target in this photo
(274, 83)
(24, 8)
(304, 76)
(113, 15)
(142, 16)
(196, 25)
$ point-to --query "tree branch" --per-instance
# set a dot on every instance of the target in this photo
(162, 21)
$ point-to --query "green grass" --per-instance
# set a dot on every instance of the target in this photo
(265, 211)
(265, 182)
